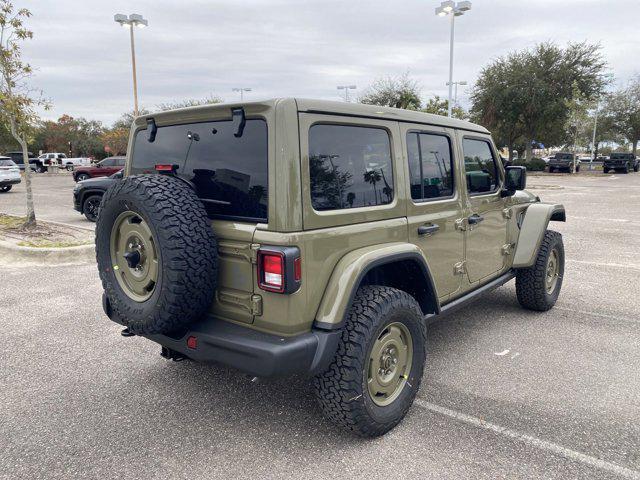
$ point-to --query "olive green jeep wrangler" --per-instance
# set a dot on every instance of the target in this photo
(310, 237)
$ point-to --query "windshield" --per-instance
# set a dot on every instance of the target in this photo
(564, 156)
(620, 156)
(229, 172)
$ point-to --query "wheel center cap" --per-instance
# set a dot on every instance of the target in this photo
(133, 258)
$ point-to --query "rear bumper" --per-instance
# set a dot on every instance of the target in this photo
(256, 353)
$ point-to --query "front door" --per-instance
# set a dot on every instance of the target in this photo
(486, 224)
(435, 203)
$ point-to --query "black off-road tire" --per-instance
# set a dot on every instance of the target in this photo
(186, 246)
(342, 389)
(636, 167)
(605, 170)
(531, 287)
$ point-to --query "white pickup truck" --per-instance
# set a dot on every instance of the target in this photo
(62, 160)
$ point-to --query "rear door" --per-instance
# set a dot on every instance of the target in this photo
(486, 223)
(230, 176)
(435, 203)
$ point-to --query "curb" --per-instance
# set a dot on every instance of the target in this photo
(80, 255)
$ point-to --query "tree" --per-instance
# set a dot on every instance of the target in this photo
(190, 102)
(373, 176)
(17, 99)
(624, 109)
(76, 136)
(115, 140)
(397, 92)
(440, 106)
(526, 94)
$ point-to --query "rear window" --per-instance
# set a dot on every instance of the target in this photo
(5, 162)
(349, 167)
(229, 173)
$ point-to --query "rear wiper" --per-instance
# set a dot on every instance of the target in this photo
(239, 120)
(152, 130)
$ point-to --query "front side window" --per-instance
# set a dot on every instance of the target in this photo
(350, 166)
(430, 166)
(229, 172)
(481, 169)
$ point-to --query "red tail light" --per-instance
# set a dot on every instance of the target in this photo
(271, 269)
(279, 269)
(164, 168)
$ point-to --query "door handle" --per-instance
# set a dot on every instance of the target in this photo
(428, 229)
(475, 219)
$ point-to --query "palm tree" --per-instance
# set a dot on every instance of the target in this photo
(372, 176)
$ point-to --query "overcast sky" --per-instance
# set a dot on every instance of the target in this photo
(198, 48)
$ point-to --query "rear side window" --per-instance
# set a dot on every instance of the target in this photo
(480, 166)
(430, 166)
(7, 163)
(120, 162)
(350, 166)
(229, 172)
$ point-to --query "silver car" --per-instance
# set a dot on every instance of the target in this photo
(9, 174)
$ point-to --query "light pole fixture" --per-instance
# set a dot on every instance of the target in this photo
(346, 89)
(455, 96)
(454, 10)
(241, 90)
(131, 21)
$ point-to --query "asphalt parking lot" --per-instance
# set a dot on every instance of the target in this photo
(506, 393)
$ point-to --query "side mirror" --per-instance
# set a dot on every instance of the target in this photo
(515, 179)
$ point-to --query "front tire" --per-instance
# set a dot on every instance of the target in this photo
(70, 168)
(538, 286)
(91, 206)
(5, 188)
(377, 370)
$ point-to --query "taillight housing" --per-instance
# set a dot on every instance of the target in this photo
(279, 269)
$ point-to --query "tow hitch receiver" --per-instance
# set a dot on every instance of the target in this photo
(172, 355)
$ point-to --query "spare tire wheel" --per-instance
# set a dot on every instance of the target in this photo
(157, 254)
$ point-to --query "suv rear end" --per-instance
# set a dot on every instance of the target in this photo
(622, 162)
(564, 162)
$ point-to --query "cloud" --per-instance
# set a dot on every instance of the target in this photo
(195, 48)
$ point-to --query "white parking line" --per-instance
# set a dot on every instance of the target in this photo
(602, 264)
(532, 441)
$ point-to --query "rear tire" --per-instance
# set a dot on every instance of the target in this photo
(70, 168)
(368, 389)
(626, 169)
(636, 167)
(6, 188)
(82, 176)
(538, 286)
(605, 170)
(551, 170)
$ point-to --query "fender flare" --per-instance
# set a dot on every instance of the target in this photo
(532, 229)
(352, 268)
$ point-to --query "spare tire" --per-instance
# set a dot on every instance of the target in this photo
(157, 254)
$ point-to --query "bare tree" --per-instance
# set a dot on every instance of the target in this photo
(18, 101)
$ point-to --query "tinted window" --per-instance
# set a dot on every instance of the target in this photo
(120, 162)
(229, 172)
(430, 166)
(621, 156)
(480, 167)
(6, 163)
(564, 156)
(349, 167)
(107, 162)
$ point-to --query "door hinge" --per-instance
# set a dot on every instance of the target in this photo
(460, 224)
(254, 253)
(507, 249)
(256, 305)
(460, 268)
(506, 213)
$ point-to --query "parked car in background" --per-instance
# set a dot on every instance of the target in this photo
(87, 194)
(9, 174)
(621, 162)
(62, 160)
(564, 162)
(103, 168)
(18, 159)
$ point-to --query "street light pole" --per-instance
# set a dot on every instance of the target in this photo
(135, 78)
(346, 89)
(455, 97)
(131, 21)
(241, 90)
(453, 9)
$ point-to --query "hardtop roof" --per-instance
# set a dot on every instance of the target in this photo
(328, 107)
